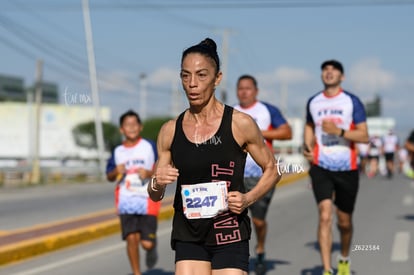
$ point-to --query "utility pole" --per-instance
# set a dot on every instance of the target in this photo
(94, 87)
(284, 97)
(224, 63)
(176, 99)
(143, 96)
(35, 177)
(31, 123)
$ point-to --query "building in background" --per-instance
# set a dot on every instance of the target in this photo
(17, 121)
(50, 93)
(12, 88)
(56, 139)
(379, 126)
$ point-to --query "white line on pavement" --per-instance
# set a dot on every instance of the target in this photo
(400, 247)
(81, 257)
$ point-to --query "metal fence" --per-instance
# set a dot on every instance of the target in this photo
(21, 176)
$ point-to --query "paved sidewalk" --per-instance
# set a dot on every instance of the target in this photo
(28, 242)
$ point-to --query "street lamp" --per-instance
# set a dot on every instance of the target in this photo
(94, 87)
(143, 96)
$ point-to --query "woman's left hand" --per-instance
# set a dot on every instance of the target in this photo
(237, 202)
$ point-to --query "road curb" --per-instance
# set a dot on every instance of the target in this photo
(27, 249)
(37, 246)
(291, 178)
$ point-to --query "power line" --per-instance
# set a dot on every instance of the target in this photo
(223, 4)
(33, 57)
(68, 64)
(42, 44)
(69, 36)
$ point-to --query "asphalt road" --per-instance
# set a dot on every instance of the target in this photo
(27, 206)
(383, 244)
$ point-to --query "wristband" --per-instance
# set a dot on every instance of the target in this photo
(153, 183)
(154, 188)
(342, 133)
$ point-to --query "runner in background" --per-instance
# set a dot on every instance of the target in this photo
(131, 166)
(409, 145)
(335, 121)
(390, 147)
(403, 160)
(273, 127)
(374, 154)
(363, 157)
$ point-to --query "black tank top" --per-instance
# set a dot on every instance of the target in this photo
(219, 158)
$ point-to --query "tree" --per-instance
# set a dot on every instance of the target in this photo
(85, 134)
(152, 127)
(373, 108)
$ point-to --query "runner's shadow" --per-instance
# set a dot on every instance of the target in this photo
(315, 245)
(270, 264)
(316, 270)
(407, 217)
(157, 271)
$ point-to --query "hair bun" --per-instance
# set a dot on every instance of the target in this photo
(208, 48)
(209, 43)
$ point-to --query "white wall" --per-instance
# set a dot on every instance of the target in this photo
(297, 125)
(17, 124)
(380, 125)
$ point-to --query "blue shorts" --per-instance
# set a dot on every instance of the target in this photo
(234, 255)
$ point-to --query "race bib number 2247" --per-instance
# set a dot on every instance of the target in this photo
(204, 200)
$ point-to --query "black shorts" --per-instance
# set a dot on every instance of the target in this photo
(342, 185)
(373, 157)
(389, 156)
(234, 255)
(258, 209)
(146, 225)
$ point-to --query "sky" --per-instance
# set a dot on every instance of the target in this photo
(137, 47)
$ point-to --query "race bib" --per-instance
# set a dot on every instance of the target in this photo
(135, 184)
(204, 200)
(330, 140)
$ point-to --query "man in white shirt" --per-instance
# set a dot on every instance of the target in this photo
(390, 145)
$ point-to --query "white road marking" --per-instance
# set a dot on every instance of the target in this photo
(408, 200)
(44, 268)
(81, 257)
(400, 247)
